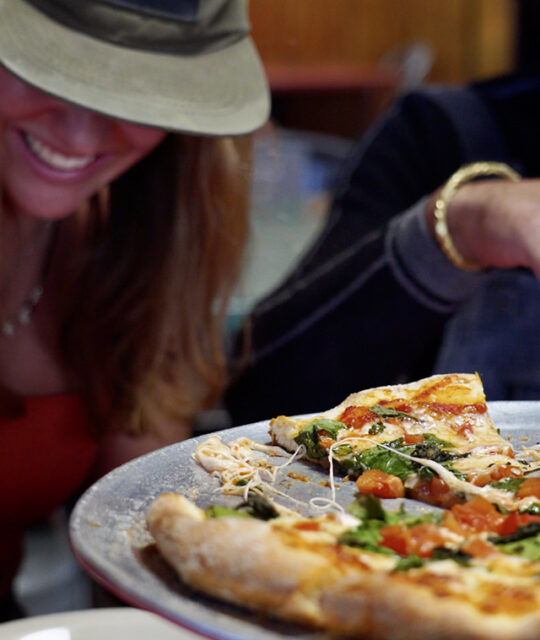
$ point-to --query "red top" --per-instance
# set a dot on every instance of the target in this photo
(45, 456)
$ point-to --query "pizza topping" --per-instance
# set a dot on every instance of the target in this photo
(318, 435)
(451, 478)
(420, 539)
(477, 515)
(390, 412)
(508, 484)
(399, 459)
(380, 484)
(530, 487)
(256, 506)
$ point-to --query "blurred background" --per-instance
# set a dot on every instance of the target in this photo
(334, 67)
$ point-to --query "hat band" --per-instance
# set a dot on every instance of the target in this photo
(151, 31)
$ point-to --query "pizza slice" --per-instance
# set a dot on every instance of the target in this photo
(432, 440)
(469, 573)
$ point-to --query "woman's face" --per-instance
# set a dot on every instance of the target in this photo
(54, 155)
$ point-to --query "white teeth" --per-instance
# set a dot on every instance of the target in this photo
(57, 160)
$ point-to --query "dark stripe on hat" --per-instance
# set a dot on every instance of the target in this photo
(185, 10)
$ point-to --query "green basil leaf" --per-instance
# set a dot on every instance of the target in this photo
(309, 435)
(365, 537)
(386, 460)
(526, 548)
(258, 507)
(389, 412)
(429, 437)
(376, 428)
(508, 484)
(410, 562)
(442, 553)
(533, 510)
(342, 450)
(367, 507)
(217, 511)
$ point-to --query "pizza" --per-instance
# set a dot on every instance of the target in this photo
(381, 575)
(432, 440)
(371, 568)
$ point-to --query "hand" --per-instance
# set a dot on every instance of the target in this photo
(495, 223)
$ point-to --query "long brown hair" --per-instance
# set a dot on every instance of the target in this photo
(144, 326)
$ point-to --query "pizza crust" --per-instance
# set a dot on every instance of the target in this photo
(282, 574)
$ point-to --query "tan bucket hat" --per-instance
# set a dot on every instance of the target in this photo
(184, 65)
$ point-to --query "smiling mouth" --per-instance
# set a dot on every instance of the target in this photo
(54, 159)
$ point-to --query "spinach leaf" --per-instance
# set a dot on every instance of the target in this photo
(367, 507)
(533, 510)
(431, 451)
(443, 553)
(217, 511)
(376, 428)
(383, 459)
(309, 435)
(366, 536)
(389, 412)
(412, 519)
(258, 507)
(410, 562)
(527, 547)
(429, 437)
(508, 484)
(342, 450)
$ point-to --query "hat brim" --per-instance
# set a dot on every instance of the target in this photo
(223, 92)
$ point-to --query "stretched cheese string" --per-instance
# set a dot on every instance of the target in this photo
(233, 462)
(321, 503)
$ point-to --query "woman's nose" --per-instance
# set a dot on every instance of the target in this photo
(83, 130)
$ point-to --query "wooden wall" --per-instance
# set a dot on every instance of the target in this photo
(469, 39)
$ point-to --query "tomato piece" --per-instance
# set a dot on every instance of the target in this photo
(396, 537)
(466, 431)
(433, 491)
(380, 484)
(531, 487)
(515, 520)
(325, 441)
(307, 526)
(356, 417)
(420, 539)
(440, 491)
(424, 538)
(413, 438)
(479, 548)
(450, 522)
(494, 474)
(478, 515)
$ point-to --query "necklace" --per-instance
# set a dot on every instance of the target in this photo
(22, 316)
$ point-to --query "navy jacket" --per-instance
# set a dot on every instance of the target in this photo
(374, 301)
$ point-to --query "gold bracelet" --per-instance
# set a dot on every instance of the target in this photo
(465, 174)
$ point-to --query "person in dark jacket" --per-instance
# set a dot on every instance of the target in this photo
(376, 300)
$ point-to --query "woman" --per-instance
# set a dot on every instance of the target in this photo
(119, 242)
